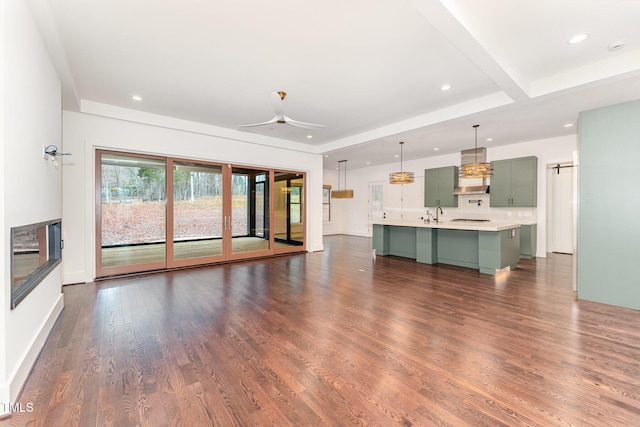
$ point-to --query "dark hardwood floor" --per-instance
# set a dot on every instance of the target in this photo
(333, 338)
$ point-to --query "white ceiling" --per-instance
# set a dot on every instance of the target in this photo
(370, 70)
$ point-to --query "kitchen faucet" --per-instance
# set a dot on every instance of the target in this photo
(440, 209)
(426, 218)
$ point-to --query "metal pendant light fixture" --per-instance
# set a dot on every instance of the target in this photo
(476, 169)
(339, 193)
(401, 177)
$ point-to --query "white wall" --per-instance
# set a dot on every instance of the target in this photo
(354, 213)
(334, 226)
(30, 185)
(84, 133)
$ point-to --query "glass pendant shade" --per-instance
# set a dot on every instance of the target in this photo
(476, 169)
(401, 177)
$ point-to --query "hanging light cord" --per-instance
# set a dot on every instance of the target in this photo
(476, 150)
(340, 172)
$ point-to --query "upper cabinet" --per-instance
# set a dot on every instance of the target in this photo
(439, 184)
(514, 182)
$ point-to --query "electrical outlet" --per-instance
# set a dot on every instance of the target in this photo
(44, 153)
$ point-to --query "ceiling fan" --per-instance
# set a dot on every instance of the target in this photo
(277, 99)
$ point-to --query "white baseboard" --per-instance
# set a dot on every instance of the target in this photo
(4, 399)
(316, 248)
(356, 233)
(19, 377)
(73, 278)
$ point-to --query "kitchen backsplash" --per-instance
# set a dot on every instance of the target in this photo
(471, 207)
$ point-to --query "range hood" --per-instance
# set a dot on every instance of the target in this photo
(470, 190)
(471, 156)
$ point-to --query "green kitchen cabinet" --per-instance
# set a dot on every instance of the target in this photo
(514, 183)
(381, 239)
(394, 240)
(528, 241)
(439, 184)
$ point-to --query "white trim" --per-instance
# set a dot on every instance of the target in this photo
(19, 377)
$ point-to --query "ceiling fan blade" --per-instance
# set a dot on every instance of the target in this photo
(304, 125)
(274, 120)
(276, 103)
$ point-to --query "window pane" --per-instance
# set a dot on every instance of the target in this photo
(133, 210)
(197, 210)
(289, 209)
(326, 204)
(249, 219)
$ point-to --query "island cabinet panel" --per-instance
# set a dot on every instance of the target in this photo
(458, 247)
(514, 182)
(392, 240)
(498, 250)
(439, 184)
(528, 241)
(381, 239)
(427, 245)
(402, 242)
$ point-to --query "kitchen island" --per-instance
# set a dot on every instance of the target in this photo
(486, 246)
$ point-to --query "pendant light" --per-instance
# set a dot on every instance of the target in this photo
(401, 177)
(339, 193)
(476, 169)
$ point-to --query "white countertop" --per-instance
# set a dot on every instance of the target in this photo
(447, 224)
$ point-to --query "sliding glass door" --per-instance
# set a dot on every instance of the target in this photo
(197, 218)
(289, 211)
(249, 212)
(155, 213)
(131, 221)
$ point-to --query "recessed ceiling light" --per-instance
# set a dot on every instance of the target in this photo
(136, 98)
(436, 149)
(489, 139)
(445, 87)
(309, 136)
(397, 155)
(368, 163)
(617, 45)
(568, 125)
(578, 38)
(326, 155)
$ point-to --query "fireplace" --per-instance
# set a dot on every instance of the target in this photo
(36, 249)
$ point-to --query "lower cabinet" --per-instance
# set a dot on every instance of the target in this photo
(486, 251)
(528, 241)
(393, 240)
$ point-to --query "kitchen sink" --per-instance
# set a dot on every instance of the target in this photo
(469, 220)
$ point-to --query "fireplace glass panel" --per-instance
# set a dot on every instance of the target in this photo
(36, 249)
